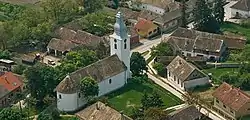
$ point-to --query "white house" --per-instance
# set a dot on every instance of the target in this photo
(185, 75)
(111, 73)
(156, 6)
(241, 9)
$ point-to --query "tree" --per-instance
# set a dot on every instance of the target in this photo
(19, 69)
(5, 54)
(183, 14)
(89, 87)
(219, 11)
(41, 82)
(91, 6)
(155, 114)
(162, 49)
(137, 114)
(137, 64)
(203, 18)
(11, 114)
(153, 100)
(160, 68)
(102, 51)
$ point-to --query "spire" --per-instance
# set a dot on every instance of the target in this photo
(120, 27)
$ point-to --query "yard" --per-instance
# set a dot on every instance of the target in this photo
(130, 96)
(217, 72)
(236, 29)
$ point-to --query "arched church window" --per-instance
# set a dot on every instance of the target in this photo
(60, 96)
(125, 40)
(125, 46)
(115, 46)
(115, 40)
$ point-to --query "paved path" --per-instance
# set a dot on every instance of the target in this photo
(176, 107)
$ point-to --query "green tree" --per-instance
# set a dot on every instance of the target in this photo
(155, 114)
(219, 11)
(102, 51)
(162, 49)
(91, 6)
(11, 114)
(5, 54)
(19, 69)
(41, 82)
(245, 54)
(183, 14)
(89, 87)
(160, 68)
(137, 114)
(203, 18)
(137, 64)
(153, 101)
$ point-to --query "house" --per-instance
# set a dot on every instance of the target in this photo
(134, 37)
(168, 59)
(69, 39)
(111, 73)
(6, 65)
(100, 111)
(28, 59)
(232, 41)
(241, 9)
(10, 85)
(157, 6)
(186, 113)
(146, 28)
(231, 102)
(185, 75)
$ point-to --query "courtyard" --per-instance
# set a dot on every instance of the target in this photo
(130, 96)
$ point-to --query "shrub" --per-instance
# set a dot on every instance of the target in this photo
(160, 68)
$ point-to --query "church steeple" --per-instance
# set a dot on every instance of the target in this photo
(120, 41)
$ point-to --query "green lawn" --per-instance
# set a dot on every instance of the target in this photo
(217, 72)
(130, 96)
(236, 29)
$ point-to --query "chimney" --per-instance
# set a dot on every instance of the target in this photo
(5, 77)
(97, 106)
(180, 62)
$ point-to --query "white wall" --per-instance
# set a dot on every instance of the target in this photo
(171, 79)
(243, 14)
(196, 82)
(117, 82)
(195, 54)
(152, 8)
(68, 102)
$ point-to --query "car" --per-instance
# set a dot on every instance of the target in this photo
(51, 62)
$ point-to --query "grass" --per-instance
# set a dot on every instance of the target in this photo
(130, 96)
(217, 72)
(236, 29)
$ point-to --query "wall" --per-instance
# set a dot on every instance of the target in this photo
(245, 110)
(117, 81)
(196, 82)
(243, 14)
(227, 111)
(152, 8)
(174, 79)
(68, 102)
(5, 101)
(197, 54)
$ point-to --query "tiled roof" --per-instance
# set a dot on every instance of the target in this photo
(100, 111)
(61, 45)
(231, 41)
(128, 13)
(231, 97)
(181, 68)
(187, 113)
(242, 5)
(8, 83)
(65, 33)
(99, 71)
(85, 38)
(144, 25)
(164, 4)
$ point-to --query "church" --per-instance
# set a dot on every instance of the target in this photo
(111, 73)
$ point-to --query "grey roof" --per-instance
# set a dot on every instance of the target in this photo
(187, 113)
(100, 111)
(164, 4)
(61, 45)
(99, 71)
(181, 68)
(231, 41)
(242, 5)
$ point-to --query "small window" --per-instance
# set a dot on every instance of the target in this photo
(60, 96)
(11, 94)
(154, 30)
(224, 106)
(150, 32)
(248, 109)
(110, 81)
(217, 101)
(115, 46)
(115, 40)
(125, 46)
(232, 111)
(79, 95)
(125, 40)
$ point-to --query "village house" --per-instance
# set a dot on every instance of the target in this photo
(100, 111)
(10, 85)
(146, 28)
(231, 102)
(241, 9)
(6, 65)
(186, 113)
(69, 39)
(157, 6)
(185, 75)
(232, 41)
(111, 73)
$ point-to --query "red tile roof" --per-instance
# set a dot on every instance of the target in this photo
(9, 82)
(231, 97)
(145, 25)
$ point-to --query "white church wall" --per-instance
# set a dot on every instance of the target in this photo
(67, 102)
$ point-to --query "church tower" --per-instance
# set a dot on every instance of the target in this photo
(120, 42)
